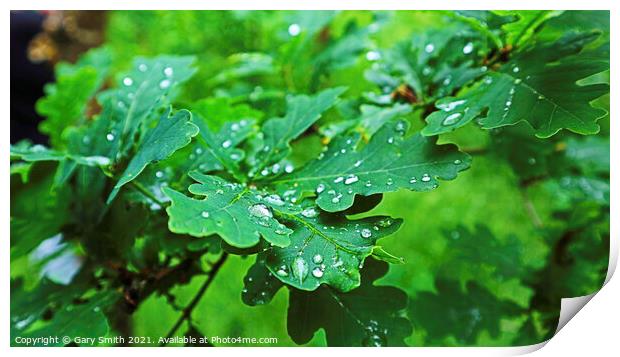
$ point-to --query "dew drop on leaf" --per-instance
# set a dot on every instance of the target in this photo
(468, 48)
(317, 259)
(168, 71)
(366, 233)
(127, 81)
(165, 83)
(320, 188)
(426, 178)
(451, 119)
(309, 212)
(260, 210)
(300, 269)
(294, 30)
(226, 144)
(317, 272)
(429, 48)
(351, 179)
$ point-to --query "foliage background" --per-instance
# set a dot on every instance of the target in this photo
(497, 192)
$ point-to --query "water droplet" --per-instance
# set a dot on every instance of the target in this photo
(235, 156)
(390, 140)
(357, 163)
(516, 69)
(159, 174)
(469, 47)
(226, 144)
(264, 172)
(518, 81)
(541, 97)
(457, 162)
(336, 199)
(374, 340)
(531, 161)
(260, 210)
(426, 71)
(165, 83)
(451, 119)
(274, 200)
(426, 178)
(366, 233)
(429, 48)
(300, 269)
(288, 168)
(142, 67)
(320, 188)
(448, 107)
(351, 179)
(317, 273)
(373, 55)
(413, 180)
(282, 271)
(168, 71)
(338, 179)
(294, 30)
(508, 103)
(317, 259)
(234, 126)
(488, 80)
(389, 181)
(127, 81)
(310, 212)
(368, 184)
(275, 168)
(109, 137)
(204, 214)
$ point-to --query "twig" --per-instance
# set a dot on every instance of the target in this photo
(187, 311)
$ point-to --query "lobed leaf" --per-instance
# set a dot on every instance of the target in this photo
(171, 133)
(388, 162)
(229, 210)
(367, 316)
(538, 86)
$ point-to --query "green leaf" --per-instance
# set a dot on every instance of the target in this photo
(140, 92)
(228, 209)
(388, 162)
(217, 151)
(461, 313)
(539, 85)
(37, 202)
(65, 102)
(302, 111)
(85, 320)
(371, 119)
(432, 65)
(35, 153)
(260, 285)
(326, 249)
(171, 133)
(367, 316)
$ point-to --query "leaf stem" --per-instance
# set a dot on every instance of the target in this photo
(187, 311)
(144, 191)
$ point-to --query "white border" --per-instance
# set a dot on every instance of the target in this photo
(594, 329)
